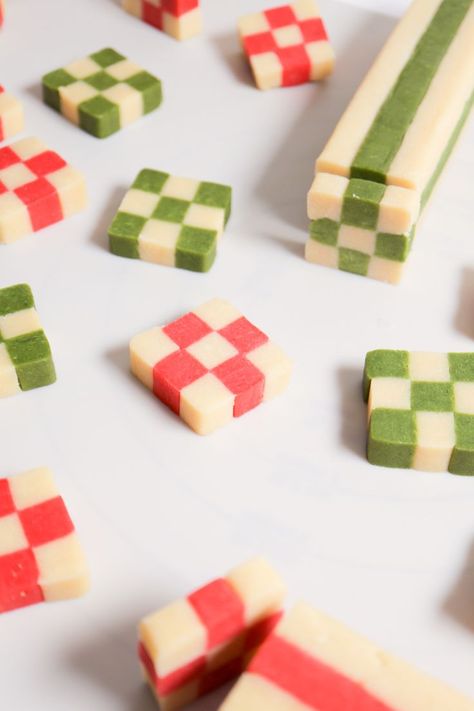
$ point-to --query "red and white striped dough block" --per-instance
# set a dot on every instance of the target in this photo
(287, 45)
(313, 663)
(40, 555)
(198, 643)
(181, 19)
(210, 365)
(11, 114)
(37, 189)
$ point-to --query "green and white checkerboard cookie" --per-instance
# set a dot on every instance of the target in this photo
(421, 410)
(169, 220)
(102, 93)
(25, 355)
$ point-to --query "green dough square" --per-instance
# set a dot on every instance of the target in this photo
(385, 364)
(51, 84)
(390, 246)
(127, 225)
(325, 231)
(171, 209)
(151, 181)
(31, 356)
(101, 81)
(462, 458)
(15, 298)
(461, 366)
(196, 249)
(215, 195)
(106, 57)
(392, 438)
(432, 397)
(150, 89)
(352, 261)
(360, 207)
(99, 116)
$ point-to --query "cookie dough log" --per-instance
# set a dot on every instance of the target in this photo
(40, 555)
(313, 662)
(102, 93)
(37, 189)
(210, 365)
(193, 645)
(181, 19)
(25, 355)
(287, 45)
(421, 410)
(170, 220)
(11, 114)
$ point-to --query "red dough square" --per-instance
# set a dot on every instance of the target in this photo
(174, 373)
(186, 330)
(153, 15)
(313, 30)
(296, 65)
(220, 609)
(6, 501)
(42, 202)
(280, 16)
(244, 335)
(19, 580)
(44, 163)
(244, 380)
(260, 43)
(46, 522)
(179, 7)
(7, 158)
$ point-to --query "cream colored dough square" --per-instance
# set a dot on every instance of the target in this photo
(260, 588)
(398, 210)
(28, 147)
(323, 254)
(73, 95)
(464, 398)
(212, 350)
(63, 572)
(253, 24)
(217, 313)
(134, 7)
(139, 202)
(82, 68)
(288, 36)
(306, 9)
(16, 175)
(146, 350)
(180, 188)
(9, 384)
(12, 537)
(32, 487)
(157, 242)
(205, 217)
(325, 197)
(267, 70)
(184, 27)
(71, 188)
(254, 693)
(436, 438)
(391, 393)
(173, 636)
(129, 101)
(19, 322)
(429, 367)
(15, 220)
(357, 238)
(385, 270)
(275, 366)
(321, 55)
(123, 70)
(11, 115)
(206, 404)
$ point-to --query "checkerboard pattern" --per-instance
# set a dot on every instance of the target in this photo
(198, 643)
(421, 410)
(287, 45)
(102, 93)
(181, 19)
(40, 555)
(11, 115)
(37, 189)
(210, 365)
(25, 356)
(172, 221)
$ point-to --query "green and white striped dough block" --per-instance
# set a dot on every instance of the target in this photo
(421, 410)
(25, 355)
(170, 220)
(102, 93)
(400, 128)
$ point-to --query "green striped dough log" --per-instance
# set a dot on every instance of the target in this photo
(397, 131)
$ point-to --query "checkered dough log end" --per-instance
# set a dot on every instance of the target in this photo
(102, 93)
(311, 662)
(25, 356)
(287, 45)
(40, 555)
(172, 221)
(181, 19)
(210, 365)
(11, 114)
(37, 189)
(198, 643)
(421, 410)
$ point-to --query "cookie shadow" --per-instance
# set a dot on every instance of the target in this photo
(99, 235)
(464, 317)
(458, 604)
(353, 411)
(227, 47)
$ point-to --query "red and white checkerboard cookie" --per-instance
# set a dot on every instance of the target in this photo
(40, 555)
(37, 189)
(179, 18)
(287, 45)
(195, 644)
(11, 114)
(210, 365)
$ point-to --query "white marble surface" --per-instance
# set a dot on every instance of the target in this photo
(159, 509)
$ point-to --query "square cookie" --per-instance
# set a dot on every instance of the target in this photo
(102, 93)
(40, 555)
(287, 45)
(172, 221)
(210, 365)
(181, 19)
(11, 115)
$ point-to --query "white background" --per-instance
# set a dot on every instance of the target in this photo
(160, 510)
